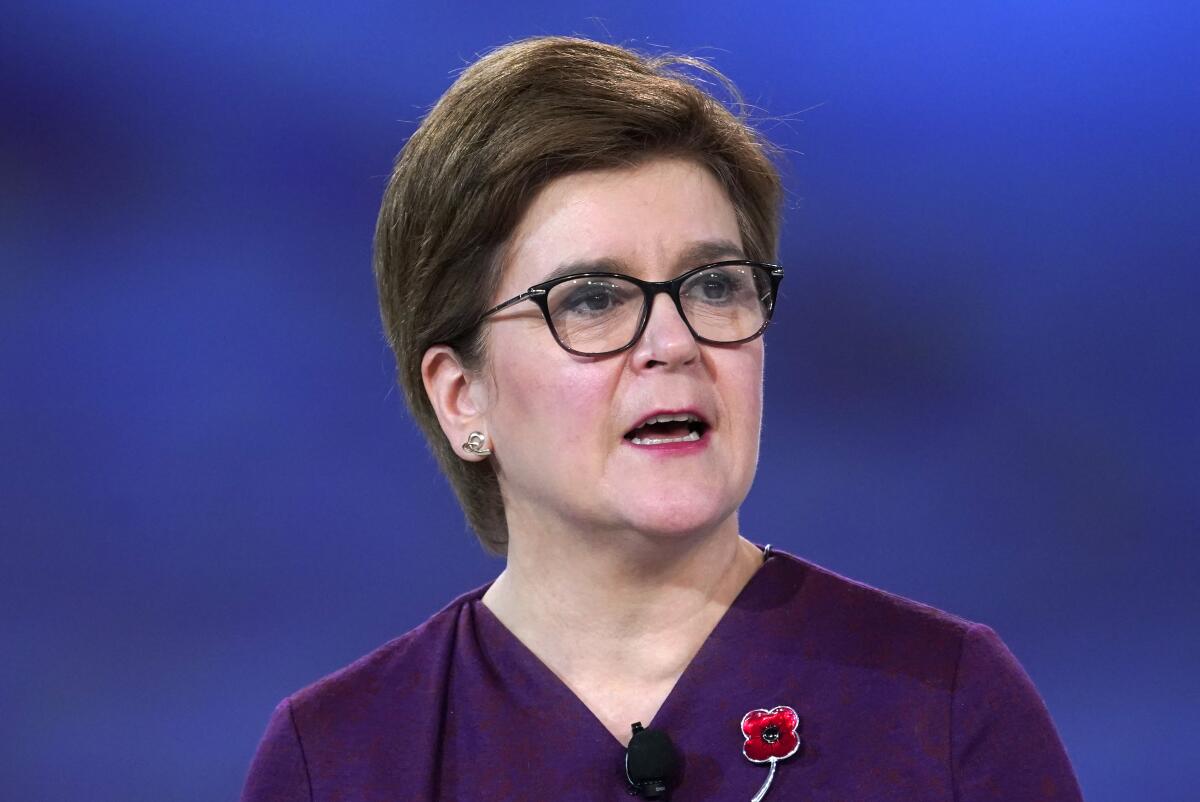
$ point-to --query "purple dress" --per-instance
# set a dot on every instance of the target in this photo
(897, 701)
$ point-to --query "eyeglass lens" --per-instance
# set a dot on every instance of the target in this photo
(596, 314)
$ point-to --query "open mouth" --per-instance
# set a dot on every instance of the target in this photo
(679, 427)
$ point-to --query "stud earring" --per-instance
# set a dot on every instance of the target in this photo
(475, 444)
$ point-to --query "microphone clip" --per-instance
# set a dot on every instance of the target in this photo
(651, 762)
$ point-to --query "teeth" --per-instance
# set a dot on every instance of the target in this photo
(679, 418)
(653, 441)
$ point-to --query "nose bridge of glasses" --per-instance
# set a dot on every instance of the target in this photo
(671, 290)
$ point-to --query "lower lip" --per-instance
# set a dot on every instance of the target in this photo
(681, 448)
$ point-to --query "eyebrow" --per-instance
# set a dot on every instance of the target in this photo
(697, 254)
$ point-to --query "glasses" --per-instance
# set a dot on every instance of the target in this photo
(597, 314)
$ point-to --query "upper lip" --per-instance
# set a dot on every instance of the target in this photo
(692, 415)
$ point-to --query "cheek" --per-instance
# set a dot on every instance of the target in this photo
(548, 401)
(745, 399)
(743, 374)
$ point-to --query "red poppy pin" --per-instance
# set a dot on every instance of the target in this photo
(770, 737)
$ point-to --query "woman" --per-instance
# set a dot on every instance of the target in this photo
(574, 259)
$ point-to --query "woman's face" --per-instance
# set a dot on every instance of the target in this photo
(559, 424)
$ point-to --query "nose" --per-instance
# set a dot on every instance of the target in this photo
(667, 340)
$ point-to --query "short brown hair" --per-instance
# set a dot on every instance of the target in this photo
(517, 118)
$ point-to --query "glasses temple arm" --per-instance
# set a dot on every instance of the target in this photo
(525, 296)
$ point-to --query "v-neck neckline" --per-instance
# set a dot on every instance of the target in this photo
(550, 680)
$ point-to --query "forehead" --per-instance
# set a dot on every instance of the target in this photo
(653, 221)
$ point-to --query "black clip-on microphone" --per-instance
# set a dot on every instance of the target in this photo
(651, 762)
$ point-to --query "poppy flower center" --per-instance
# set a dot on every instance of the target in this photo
(770, 733)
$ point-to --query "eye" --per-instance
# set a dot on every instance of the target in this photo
(589, 298)
(716, 287)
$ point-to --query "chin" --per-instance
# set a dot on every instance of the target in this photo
(679, 517)
(673, 503)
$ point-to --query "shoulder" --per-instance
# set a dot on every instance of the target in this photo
(955, 675)
(347, 721)
(405, 672)
(850, 601)
(852, 622)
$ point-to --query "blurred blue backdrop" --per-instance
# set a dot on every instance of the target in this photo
(981, 388)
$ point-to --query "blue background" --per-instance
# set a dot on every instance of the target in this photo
(981, 388)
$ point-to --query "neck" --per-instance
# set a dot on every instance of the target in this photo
(605, 603)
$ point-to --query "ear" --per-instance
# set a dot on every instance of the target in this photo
(457, 395)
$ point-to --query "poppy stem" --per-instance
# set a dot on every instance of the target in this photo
(766, 785)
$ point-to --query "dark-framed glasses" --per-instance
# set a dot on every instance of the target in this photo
(597, 313)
